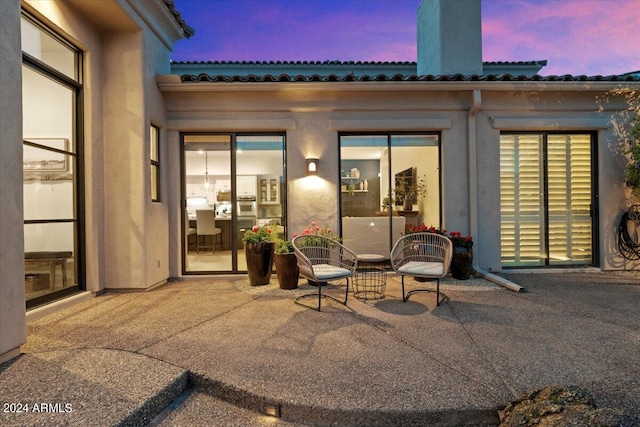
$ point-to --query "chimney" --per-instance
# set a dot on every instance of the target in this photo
(449, 37)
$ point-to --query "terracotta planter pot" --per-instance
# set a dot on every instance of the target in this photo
(259, 262)
(462, 263)
(287, 270)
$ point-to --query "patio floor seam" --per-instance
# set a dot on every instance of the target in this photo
(489, 361)
(195, 325)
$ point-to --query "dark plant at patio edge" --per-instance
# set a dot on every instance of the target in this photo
(460, 241)
(456, 237)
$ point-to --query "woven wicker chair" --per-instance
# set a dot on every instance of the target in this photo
(422, 255)
(320, 260)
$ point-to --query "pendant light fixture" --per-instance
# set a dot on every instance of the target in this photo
(206, 186)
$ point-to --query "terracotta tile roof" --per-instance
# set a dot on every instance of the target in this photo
(282, 78)
(186, 30)
(542, 62)
(366, 71)
(327, 62)
(335, 62)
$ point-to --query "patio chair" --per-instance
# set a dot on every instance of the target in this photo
(423, 256)
(320, 260)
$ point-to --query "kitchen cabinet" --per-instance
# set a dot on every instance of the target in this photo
(269, 190)
(246, 185)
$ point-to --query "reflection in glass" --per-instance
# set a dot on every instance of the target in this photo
(377, 172)
(48, 49)
(50, 258)
(207, 169)
(50, 189)
(49, 195)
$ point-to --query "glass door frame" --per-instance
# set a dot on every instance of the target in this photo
(390, 179)
(595, 248)
(235, 248)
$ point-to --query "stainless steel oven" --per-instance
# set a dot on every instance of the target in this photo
(247, 206)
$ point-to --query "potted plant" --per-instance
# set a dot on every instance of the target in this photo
(258, 250)
(462, 261)
(409, 191)
(388, 201)
(286, 265)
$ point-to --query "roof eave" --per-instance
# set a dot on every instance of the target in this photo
(172, 83)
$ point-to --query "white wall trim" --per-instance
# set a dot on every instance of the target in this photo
(232, 125)
(389, 124)
(551, 123)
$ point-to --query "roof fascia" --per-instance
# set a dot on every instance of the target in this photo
(157, 17)
(172, 83)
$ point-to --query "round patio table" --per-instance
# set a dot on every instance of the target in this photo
(370, 282)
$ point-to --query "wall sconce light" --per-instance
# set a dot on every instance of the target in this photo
(312, 167)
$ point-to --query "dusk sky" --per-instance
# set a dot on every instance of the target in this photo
(576, 37)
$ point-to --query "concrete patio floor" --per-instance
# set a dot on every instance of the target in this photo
(218, 352)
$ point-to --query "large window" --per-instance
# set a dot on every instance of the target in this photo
(546, 194)
(51, 89)
(389, 183)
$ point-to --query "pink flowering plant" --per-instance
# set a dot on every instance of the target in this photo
(315, 230)
(424, 229)
(258, 234)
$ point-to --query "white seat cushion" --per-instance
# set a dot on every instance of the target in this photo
(372, 258)
(328, 272)
(418, 268)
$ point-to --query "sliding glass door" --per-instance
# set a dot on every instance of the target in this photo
(389, 183)
(231, 183)
(546, 190)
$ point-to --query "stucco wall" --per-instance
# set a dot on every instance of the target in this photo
(156, 61)
(137, 243)
(312, 121)
(552, 111)
(125, 240)
(12, 294)
(316, 117)
(125, 142)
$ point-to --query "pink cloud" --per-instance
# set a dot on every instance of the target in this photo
(576, 37)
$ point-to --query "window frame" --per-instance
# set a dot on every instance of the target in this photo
(389, 136)
(154, 164)
(75, 151)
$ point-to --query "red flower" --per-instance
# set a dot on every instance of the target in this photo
(254, 228)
